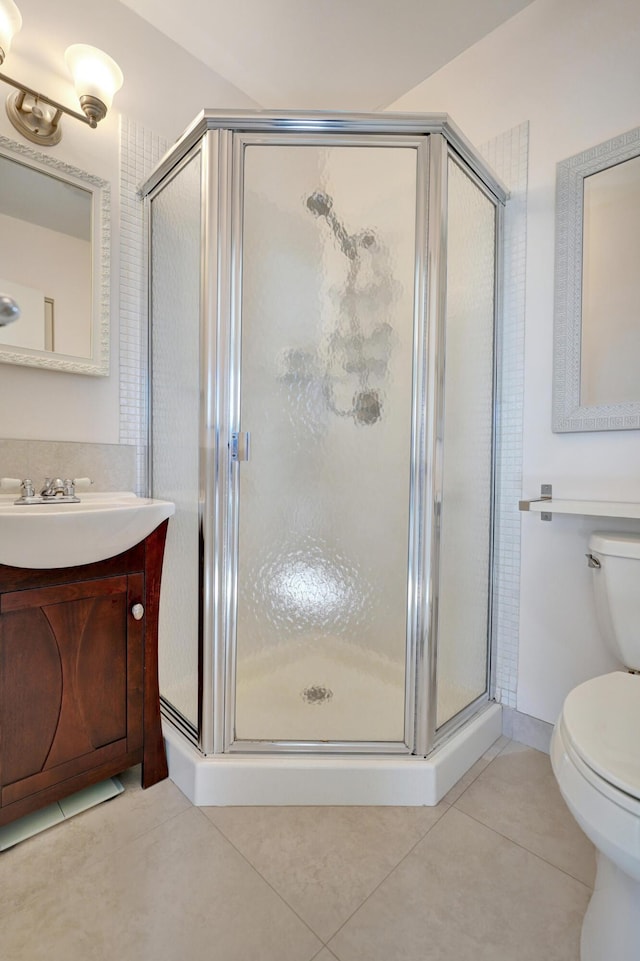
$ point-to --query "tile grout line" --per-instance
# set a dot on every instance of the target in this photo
(112, 852)
(388, 875)
(266, 880)
(486, 768)
(137, 837)
(524, 848)
(480, 772)
(119, 847)
(464, 791)
(325, 948)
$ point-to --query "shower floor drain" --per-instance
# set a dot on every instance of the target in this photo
(317, 694)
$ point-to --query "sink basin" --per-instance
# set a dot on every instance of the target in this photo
(65, 535)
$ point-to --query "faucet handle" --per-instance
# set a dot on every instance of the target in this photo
(82, 483)
(69, 488)
(10, 484)
(27, 493)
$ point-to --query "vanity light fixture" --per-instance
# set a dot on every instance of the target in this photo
(37, 117)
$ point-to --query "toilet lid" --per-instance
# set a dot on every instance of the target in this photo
(602, 720)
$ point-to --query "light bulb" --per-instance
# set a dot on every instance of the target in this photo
(10, 23)
(95, 74)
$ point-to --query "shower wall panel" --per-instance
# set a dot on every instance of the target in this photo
(175, 345)
(465, 532)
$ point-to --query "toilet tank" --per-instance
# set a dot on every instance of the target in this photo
(617, 593)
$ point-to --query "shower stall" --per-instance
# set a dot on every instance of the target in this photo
(323, 294)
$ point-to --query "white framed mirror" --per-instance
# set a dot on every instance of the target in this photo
(54, 262)
(596, 358)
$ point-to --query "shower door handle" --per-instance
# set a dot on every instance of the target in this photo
(240, 445)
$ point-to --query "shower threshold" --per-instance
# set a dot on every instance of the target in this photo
(245, 780)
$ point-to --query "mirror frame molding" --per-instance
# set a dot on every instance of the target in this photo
(568, 413)
(98, 363)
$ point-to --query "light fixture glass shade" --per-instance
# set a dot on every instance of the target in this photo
(94, 73)
(10, 23)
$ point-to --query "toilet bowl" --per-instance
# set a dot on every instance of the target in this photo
(595, 755)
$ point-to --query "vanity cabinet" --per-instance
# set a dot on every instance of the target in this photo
(79, 697)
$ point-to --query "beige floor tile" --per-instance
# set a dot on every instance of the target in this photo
(517, 795)
(517, 747)
(324, 861)
(501, 744)
(325, 955)
(179, 893)
(34, 865)
(475, 770)
(466, 780)
(467, 894)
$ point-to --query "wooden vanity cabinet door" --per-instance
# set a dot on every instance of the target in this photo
(71, 681)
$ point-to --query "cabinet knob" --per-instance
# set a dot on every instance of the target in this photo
(138, 611)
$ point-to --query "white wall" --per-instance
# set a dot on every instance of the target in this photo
(572, 69)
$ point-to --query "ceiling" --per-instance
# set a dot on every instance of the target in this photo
(325, 54)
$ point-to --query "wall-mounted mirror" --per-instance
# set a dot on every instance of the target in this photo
(596, 363)
(54, 262)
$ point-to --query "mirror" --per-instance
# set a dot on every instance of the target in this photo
(54, 262)
(596, 363)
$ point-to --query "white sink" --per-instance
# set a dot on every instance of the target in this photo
(65, 535)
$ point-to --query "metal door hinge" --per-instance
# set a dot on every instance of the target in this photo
(239, 445)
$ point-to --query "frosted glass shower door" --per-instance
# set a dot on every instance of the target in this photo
(325, 351)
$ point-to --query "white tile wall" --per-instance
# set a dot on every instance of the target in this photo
(140, 150)
(508, 155)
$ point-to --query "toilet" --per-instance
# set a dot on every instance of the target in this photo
(595, 755)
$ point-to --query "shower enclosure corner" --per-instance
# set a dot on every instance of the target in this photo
(323, 316)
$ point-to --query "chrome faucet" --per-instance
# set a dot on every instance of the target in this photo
(54, 491)
(60, 490)
(52, 487)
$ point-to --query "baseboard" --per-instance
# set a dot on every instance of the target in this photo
(526, 729)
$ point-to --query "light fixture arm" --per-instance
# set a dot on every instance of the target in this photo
(37, 117)
(91, 120)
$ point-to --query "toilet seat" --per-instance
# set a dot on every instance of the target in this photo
(600, 722)
(608, 816)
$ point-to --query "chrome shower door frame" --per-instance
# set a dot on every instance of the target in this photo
(227, 471)
(199, 732)
(426, 717)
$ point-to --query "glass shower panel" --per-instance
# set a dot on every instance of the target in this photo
(328, 266)
(175, 343)
(465, 541)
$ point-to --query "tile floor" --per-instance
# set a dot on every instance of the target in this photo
(497, 871)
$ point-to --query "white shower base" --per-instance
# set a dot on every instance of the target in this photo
(232, 779)
(333, 691)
